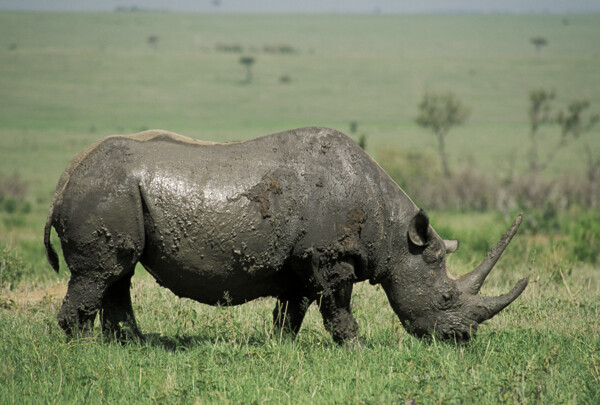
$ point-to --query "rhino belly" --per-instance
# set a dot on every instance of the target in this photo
(211, 277)
(227, 257)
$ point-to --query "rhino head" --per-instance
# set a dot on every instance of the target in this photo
(428, 301)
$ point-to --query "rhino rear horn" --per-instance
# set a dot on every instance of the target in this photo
(471, 282)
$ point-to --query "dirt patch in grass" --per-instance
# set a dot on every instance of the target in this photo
(23, 300)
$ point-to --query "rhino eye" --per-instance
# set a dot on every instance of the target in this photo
(446, 300)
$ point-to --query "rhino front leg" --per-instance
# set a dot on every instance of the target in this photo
(289, 313)
(334, 302)
(337, 314)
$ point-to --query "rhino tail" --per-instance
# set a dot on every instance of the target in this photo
(50, 252)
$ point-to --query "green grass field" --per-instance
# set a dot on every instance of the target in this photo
(67, 80)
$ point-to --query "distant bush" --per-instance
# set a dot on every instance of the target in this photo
(273, 49)
(9, 205)
(11, 269)
(124, 9)
(279, 48)
(153, 40)
(538, 42)
(584, 232)
(229, 48)
(13, 191)
(560, 194)
(542, 220)
(285, 79)
(362, 141)
(421, 176)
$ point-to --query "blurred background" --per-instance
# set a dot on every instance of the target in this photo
(478, 109)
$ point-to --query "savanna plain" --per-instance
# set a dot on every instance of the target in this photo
(68, 79)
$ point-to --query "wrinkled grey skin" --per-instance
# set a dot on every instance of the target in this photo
(301, 215)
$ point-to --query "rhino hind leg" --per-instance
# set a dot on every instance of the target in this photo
(116, 315)
(99, 286)
(80, 306)
(289, 313)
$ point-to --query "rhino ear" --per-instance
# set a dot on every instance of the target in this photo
(418, 229)
(451, 245)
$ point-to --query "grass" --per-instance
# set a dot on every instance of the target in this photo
(195, 353)
(201, 354)
(67, 80)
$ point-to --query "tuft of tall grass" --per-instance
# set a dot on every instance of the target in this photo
(11, 268)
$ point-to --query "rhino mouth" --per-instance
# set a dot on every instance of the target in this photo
(456, 332)
(458, 336)
(464, 334)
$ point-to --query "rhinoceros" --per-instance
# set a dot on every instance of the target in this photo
(300, 215)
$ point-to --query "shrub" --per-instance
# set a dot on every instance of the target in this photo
(279, 48)
(12, 194)
(544, 220)
(9, 205)
(362, 141)
(12, 186)
(229, 48)
(11, 269)
(421, 176)
(584, 233)
(153, 40)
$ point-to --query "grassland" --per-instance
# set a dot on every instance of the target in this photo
(68, 79)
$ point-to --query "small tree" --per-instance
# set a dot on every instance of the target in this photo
(539, 43)
(362, 141)
(153, 41)
(540, 101)
(440, 113)
(247, 62)
(593, 176)
(571, 122)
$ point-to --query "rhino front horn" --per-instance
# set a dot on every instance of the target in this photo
(487, 307)
(471, 282)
